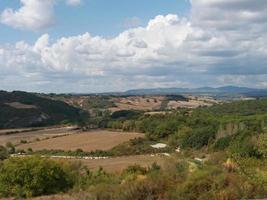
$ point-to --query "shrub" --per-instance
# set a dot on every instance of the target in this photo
(10, 148)
(3, 153)
(199, 137)
(33, 176)
(222, 143)
(23, 141)
(135, 169)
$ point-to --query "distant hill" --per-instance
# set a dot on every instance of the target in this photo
(22, 109)
(201, 90)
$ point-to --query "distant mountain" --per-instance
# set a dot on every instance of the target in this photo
(22, 109)
(201, 90)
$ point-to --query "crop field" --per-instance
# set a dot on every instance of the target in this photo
(87, 141)
(117, 164)
(15, 136)
(137, 103)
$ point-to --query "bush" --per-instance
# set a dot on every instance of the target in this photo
(10, 148)
(3, 153)
(222, 143)
(199, 137)
(135, 169)
(23, 141)
(33, 176)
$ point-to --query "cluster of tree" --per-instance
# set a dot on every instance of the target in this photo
(201, 127)
(200, 130)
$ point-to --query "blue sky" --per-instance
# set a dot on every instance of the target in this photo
(116, 45)
(98, 17)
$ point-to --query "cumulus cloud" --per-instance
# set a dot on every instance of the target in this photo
(33, 15)
(205, 49)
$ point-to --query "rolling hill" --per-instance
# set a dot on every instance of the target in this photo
(202, 90)
(22, 109)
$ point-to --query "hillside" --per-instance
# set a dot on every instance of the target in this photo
(21, 109)
(215, 152)
(219, 91)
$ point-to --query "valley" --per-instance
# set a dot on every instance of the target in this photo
(105, 144)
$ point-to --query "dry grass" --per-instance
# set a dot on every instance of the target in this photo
(137, 103)
(31, 136)
(118, 164)
(193, 102)
(81, 195)
(87, 141)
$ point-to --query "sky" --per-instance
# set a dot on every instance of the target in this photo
(86, 46)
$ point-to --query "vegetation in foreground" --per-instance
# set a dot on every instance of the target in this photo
(223, 156)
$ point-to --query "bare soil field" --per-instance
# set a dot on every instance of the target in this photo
(138, 103)
(187, 104)
(87, 141)
(117, 164)
(193, 102)
(144, 103)
(30, 135)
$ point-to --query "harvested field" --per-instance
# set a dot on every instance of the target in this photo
(87, 141)
(16, 135)
(193, 102)
(117, 164)
(137, 103)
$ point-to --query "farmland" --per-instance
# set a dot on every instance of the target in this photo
(143, 103)
(142, 150)
(15, 136)
(87, 141)
(117, 164)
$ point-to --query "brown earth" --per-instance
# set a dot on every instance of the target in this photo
(117, 164)
(87, 141)
(16, 135)
(137, 103)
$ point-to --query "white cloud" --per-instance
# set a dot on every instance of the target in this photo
(205, 49)
(33, 15)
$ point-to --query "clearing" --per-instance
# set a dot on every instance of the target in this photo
(87, 141)
(117, 164)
